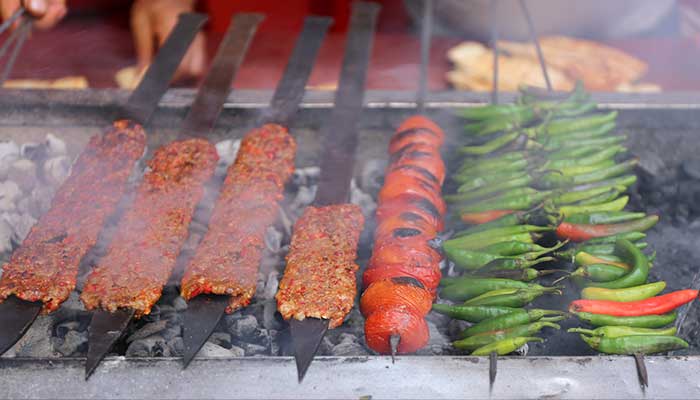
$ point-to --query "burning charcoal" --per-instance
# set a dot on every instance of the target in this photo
(5, 237)
(57, 169)
(222, 339)
(372, 176)
(9, 194)
(55, 146)
(152, 346)
(180, 304)
(349, 348)
(73, 341)
(23, 173)
(147, 330)
(252, 349)
(243, 326)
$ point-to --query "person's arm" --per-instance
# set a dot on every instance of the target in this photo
(46, 12)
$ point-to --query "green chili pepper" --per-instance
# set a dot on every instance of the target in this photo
(513, 248)
(505, 346)
(634, 257)
(495, 232)
(515, 218)
(490, 173)
(527, 237)
(471, 182)
(566, 125)
(559, 145)
(485, 191)
(467, 287)
(489, 126)
(506, 321)
(645, 321)
(605, 173)
(525, 274)
(474, 313)
(592, 133)
(571, 154)
(602, 198)
(495, 161)
(615, 205)
(620, 331)
(488, 168)
(483, 339)
(599, 273)
(602, 155)
(631, 236)
(499, 197)
(585, 258)
(492, 111)
(601, 218)
(472, 260)
(514, 263)
(600, 249)
(572, 197)
(523, 202)
(577, 110)
(635, 344)
(490, 146)
(633, 293)
(623, 181)
(511, 297)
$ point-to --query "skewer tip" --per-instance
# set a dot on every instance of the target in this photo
(641, 370)
(492, 368)
(394, 341)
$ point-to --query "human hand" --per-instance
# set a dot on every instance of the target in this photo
(152, 21)
(46, 12)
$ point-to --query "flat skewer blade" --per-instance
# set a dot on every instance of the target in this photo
(394, 341)
(201, 317)
(306, 337)
(105, 329)
(16, 316)
(641, 370)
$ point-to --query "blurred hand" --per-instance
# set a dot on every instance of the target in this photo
(46, 12)
(152, 21)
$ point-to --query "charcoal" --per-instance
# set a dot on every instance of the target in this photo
(362, 199)
(691, 168)
(305, 176)
(56, 170)
(153, 346)
(147, 330)
(348, 348)
(171, 332)
(222, 339)
(438, 342)
(651, 164)
(64, 327)
(243, 327)
(269, 315)
(274, 343)
(180, 304)
(37, 152)
(347, 337)
(55, 146)
(23, 173)
(73, 342)
(5, 237)
(36, 342)
(372, 176)
(152, 316)
(326, 347)
(42, 196)
(455, 327)
(177, 346)
(21, 225)
(252, 349)
(9, 152)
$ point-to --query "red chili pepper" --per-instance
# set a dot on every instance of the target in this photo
(484, 216)
(652, 306)
(583, 232)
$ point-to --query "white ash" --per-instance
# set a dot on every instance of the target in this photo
(55, 146)
(5, 238)
(372, 176)
(227, 151)
(36, 342)
(21, 223)
(10, 193)
(23, 173)
(57, 169)
(148, 330)
(71, 343)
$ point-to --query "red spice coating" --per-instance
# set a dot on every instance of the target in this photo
(411, 327)
(143, 251)
(45, 266)
(652, 306)
(227, 259)
(319, 280)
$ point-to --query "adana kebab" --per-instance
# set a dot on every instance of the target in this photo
(318, 288)
(44, 269)
(404, 271)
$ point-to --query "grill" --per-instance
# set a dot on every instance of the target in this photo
(662, 133)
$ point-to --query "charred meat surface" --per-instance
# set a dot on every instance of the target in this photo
(143, 251)
(45, 267)
(319, 279)
(227, 260)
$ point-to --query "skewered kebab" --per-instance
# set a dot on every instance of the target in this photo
(43, 271)
(224, 269)
(129, 280)
(403, 274)
(319, 284)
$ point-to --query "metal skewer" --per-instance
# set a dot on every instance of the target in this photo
(17, 38)
(426, 30)
(535, 39)
(494, 44)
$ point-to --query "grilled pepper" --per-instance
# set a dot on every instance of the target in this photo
(635, 344)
